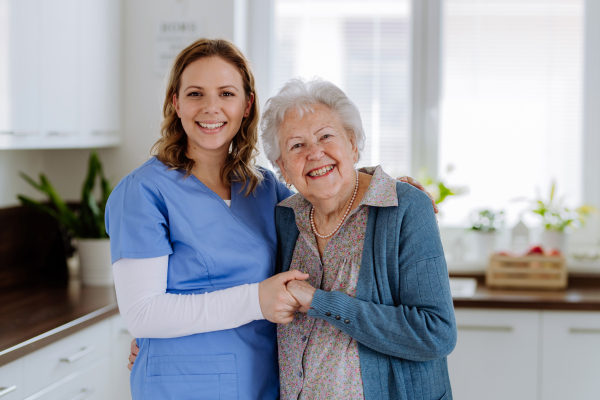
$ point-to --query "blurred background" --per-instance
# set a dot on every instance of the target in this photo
(494, 105)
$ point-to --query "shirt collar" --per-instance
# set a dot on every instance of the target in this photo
(382, 189)
(380, 193)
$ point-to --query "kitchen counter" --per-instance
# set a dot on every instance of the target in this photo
(582, 294)
(35, 316)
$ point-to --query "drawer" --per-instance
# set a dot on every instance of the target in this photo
(57, 360)
(11, 385)
(496, 355)
(88, 383)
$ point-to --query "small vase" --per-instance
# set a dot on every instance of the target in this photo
(94, 260)
(554, 240)
(485, 244)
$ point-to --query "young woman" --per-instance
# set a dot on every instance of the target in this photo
(193, 241)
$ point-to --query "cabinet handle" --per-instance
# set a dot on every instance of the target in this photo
(18, 133)
(61, 133)
(84, 352)
(584, 330)
(83, 394)
(482, 328)
(7, 390)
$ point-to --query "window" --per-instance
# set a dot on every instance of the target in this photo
(511, 109)
(495, 89)
(364, 48)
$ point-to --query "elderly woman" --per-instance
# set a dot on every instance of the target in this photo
(377, 320)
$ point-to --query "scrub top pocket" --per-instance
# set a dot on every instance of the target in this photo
(206, 377)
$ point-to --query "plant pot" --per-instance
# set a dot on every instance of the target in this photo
(94, 262)
(554, 240)
(485, 244)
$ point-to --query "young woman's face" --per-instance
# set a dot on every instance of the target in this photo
(211, 104)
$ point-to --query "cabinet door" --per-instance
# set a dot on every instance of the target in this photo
(571, 355)
(496, 355)
(59, 75)
(99, 64)
(121, 339)
(11, 384)
(89, 383)
(54, 362)
(19, 68)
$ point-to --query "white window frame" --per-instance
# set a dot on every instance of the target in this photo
(427, 82)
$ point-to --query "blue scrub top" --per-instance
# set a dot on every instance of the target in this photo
(155, 212)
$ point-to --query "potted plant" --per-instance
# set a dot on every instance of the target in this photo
(558, 219)
(485, 224)
(437, 188)
(84, 222)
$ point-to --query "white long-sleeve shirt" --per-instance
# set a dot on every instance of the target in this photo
(150, 312)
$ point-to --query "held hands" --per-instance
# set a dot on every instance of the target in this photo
(280, 297)
(276, 302)
(303, 292)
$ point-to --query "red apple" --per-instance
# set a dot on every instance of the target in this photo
(536, 250)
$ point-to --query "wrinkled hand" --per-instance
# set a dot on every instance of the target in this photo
(276, 303)
(416, 184)
(303, 292)
(134, 352)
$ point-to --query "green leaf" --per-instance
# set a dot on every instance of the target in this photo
(88, 221)
(31, 181)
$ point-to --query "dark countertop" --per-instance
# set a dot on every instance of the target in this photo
(582, 294)
(35, 316)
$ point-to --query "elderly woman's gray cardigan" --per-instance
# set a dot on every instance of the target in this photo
(402, 316)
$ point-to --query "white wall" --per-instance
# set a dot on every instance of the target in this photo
(11, 163)
(142, 96)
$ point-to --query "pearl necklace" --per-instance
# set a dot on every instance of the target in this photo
(312, 214)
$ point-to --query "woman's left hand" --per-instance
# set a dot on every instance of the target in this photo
(302, 292)
(416, 184)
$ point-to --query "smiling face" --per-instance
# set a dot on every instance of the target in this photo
(211, 104)
(318, 155)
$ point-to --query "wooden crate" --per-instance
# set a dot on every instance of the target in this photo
(527, 272)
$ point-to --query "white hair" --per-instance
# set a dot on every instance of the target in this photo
(301, 96)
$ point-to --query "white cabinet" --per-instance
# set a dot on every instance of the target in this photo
(59, 73)
(11, 383)
(496, 355)
(121, 339)
(570, 355)
(89, 364)
(58, 360)
(90, 383)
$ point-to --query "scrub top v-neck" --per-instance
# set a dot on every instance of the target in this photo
(211, 245)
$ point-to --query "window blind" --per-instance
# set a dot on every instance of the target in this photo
(511, 110)
(364, 48)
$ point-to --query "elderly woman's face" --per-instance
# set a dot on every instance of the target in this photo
(317, 154)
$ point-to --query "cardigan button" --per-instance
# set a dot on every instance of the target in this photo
(346, 321)
(328, 314)
(338, 317)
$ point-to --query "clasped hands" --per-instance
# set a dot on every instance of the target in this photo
(283, 294)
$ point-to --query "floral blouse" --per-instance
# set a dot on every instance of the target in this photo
(317, 360)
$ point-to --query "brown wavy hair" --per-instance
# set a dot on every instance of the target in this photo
(171, 148)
